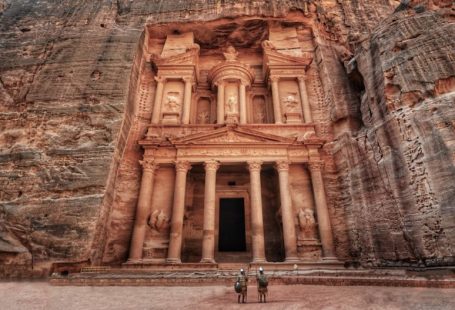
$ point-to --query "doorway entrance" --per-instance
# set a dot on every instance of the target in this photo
(232, 225)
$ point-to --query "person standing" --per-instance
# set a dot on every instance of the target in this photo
(262, 283)
(241, 286)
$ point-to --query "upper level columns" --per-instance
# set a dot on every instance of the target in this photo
(187, 101)
(242, 101)
(289, 236)
(178, 210)
(257, 222)
(276, 100)
(220, 103)
(325, 228)
(142, 210)
(304, 99)
(208, 241)
(158, 100)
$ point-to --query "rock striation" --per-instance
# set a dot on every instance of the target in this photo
(73, 105)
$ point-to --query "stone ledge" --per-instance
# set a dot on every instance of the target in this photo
(288, 280)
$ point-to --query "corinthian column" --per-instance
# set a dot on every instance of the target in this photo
(178, 210)
(276, 100)
(208, 242)
(289, 236)
(158, 98)
(242, 103)
(325, 228)
(187, 101)
(220, 103)
(142, 210)
(257, 223)
(304, 98)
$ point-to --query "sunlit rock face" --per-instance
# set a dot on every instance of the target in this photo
(78, 84)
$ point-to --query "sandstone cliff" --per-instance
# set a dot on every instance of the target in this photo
(67, 87)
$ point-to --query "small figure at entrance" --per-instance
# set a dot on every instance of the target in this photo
(262, 283)
(240, 286)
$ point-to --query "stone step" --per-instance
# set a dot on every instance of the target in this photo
(203, 279)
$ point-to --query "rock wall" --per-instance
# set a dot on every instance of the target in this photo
(68, 85)
(397, 168)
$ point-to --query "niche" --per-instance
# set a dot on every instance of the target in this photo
(259, 110)
(203, 111)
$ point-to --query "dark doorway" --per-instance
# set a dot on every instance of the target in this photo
(232, 225)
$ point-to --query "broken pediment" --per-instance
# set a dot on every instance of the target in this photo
(229, 135)
(274, 57)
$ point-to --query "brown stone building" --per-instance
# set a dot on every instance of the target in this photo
(202, 132)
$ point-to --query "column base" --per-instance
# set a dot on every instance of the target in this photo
(208, 260)
(173, 261)
(259, 260)
(292, 259)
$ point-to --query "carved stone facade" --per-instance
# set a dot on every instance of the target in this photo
(240, 114)
(364, 87)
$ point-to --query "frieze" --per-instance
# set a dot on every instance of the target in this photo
(230, 152)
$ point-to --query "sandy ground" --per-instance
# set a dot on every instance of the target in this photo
(40, 295)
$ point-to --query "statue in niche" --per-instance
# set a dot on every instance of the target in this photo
(260, 115)
(172, 102)
(231, 104)
(307, 223)
(203, 117)
(158, 220)
(290, 102)
(230, 54)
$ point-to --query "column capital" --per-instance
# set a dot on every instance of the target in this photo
(316, 165)
(282, 165)
(148, 165)
(302, 78)
(160, 79)
(219, 83)
(211, 165)
(254, 165)
(274, 79)
(187, 79)
(182, 165)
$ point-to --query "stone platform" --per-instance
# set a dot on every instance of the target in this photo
(278, 273)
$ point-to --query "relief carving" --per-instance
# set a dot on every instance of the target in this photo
(231, 54)
(291, 103)
(307, 223)
(203, 117)
(172, 102)
(158, 221)
(231, 104)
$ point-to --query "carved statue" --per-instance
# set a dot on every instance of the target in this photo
(230, 54)
(291, 103)
(172, 102)
(203, 117)
(260, 116)
(158, 220)
(307, 222)
(231, 104)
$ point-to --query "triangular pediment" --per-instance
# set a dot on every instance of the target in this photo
(273, 57)
(188, 58)
(229, 136)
